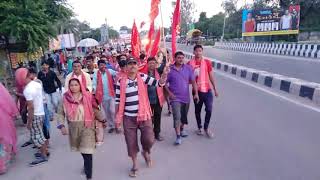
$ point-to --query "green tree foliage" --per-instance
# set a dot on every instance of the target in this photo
(113, 34)
(187, 12)
(210, 26)
(32, 22)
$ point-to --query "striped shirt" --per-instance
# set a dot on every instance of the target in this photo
(132, 99)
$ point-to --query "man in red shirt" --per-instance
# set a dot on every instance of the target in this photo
(204, 78)
(250, 24)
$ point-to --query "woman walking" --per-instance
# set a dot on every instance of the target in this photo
(77, 109)
(8, 138)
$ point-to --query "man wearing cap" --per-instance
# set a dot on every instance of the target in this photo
(133, 109)
(104, 92)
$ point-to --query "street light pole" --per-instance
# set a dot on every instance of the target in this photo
(224, 26)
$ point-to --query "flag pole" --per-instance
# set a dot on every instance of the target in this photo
(162, 34)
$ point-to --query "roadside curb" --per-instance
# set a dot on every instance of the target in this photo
(296, 87)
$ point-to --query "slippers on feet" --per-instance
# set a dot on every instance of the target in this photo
(200, 132)
(133, 172)
(209, 134)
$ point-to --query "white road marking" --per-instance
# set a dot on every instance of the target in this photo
(261, 88)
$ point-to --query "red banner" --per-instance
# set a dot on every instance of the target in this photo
(155, 46)
(154, 10)
(135, 41)
(150, 35)
(175, 27)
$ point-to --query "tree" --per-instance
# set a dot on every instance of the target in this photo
(187, 11)
(32, 22)
(113, 34)
(229, 6)
(216, 24)
(93, 33)
(203, 23)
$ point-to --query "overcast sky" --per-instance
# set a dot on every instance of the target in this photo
(123, 12)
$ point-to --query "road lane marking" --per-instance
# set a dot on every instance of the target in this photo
(294, 101)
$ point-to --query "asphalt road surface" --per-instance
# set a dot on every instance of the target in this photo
(296, 67)
(258, 136)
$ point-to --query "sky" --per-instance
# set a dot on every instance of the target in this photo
(123, 12)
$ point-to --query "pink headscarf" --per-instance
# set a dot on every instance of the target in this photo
(8, 109)
(71, 104)
(20, 75)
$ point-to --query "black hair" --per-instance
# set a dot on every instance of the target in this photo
(142, 56)
(45, 62)
(31, 71)
(152, 59)
(178, 53)
(122, 63)
(197, 47)
(76, 62)
(119, 57)
(101, 62)
(89, 57)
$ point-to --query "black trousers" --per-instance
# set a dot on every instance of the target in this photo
(156, 119)
(207, 100)
(87, 163)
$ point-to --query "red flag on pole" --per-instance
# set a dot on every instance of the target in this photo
(135, 41)
(155, 46)
(175, 27)
(154, 10)
(150, 35)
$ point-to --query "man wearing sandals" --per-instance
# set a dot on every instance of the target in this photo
(178, 89)
(204, 77)
(133, 109)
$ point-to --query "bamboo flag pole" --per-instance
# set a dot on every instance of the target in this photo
(162, 34)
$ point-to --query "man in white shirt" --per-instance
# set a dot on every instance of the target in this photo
(80, 74)
(286, 21)
(33, 93)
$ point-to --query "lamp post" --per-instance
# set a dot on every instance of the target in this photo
(224, 26)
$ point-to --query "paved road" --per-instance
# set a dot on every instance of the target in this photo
(258, 137)
(301, 68)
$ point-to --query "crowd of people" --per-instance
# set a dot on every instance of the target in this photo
(107, 90)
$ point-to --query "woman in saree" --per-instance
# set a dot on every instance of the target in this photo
(8, 138)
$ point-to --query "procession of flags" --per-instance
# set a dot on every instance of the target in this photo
(152, 46)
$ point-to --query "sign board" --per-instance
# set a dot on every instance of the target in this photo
(62, 41)
(264, 22)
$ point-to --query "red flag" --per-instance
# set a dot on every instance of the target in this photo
(142, 24)
(150, 35)
(135, 41)
(175, 27)
(155, 46)
(154, 10)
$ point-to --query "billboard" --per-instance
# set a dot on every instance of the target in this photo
(62, 41)
(265, 22)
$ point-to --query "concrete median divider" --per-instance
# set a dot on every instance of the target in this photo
(286, 49)
(293, 86)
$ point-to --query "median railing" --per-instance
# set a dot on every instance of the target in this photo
(298, 50)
